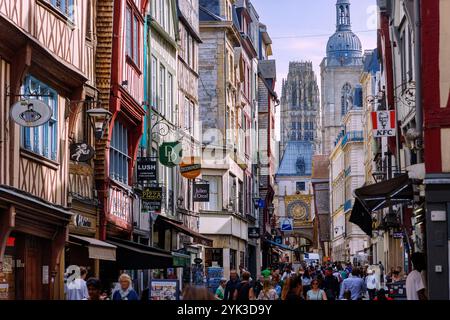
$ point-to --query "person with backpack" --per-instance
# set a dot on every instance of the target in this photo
(330, 284)
(268, 292)
(244, 291)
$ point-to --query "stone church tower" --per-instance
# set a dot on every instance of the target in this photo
(299, 105)
(340, 73)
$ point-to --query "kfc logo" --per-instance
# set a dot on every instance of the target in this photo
(384, 124)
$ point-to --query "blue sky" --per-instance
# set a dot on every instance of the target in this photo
(300, 29)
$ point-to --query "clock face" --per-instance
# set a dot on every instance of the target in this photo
(299, 212)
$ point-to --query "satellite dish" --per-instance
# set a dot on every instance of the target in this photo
(31, 113)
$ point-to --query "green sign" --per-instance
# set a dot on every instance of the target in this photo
(170, 154)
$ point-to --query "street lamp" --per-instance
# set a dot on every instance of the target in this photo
(99, 119)
(256, 202)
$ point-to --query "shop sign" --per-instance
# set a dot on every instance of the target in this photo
(287, 224)
(170, 154)
(278, 239)
(254, 233)
(201, 192)
(146, 169)
(82, 221)
(384, 124)
(164, 290)
(120, 208)
(81, 152)
(398, 235)
(190, 167)
(261, 203)
(31, 113)
(198, 261)
(152, 198)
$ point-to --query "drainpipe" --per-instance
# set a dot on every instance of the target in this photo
(418, 75)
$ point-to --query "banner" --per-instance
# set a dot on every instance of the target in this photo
(190, 167)
(152, 198)
(384, 124)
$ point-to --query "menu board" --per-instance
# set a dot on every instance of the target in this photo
(164, 290)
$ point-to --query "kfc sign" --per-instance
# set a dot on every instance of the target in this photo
(384, 124)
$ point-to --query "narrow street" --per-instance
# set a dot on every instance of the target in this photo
(224, 150)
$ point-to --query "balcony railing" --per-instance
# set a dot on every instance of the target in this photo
(353, 136)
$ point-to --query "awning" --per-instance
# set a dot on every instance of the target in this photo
(198, 238)
(136, 256)
(97, 249)
(282, 246)
(379, 196)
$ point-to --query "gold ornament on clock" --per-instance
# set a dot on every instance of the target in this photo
(299, 212)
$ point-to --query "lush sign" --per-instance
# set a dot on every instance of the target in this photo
(146, 169)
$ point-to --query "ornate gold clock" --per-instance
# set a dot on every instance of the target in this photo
(299, 212)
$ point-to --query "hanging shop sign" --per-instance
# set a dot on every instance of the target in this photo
(170, 154)
(31, 113)
(286, 224)
(201, 192)
(152, 198)
(146, 169)
(190, 167)
(254, 233)
(398, 235)
(81, 152)
(384, 124)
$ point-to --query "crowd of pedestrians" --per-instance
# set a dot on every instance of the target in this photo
(329, 281)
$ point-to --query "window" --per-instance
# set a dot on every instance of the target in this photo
(191, 115)
(300, 186)
(233, 257)
(42, 140)
(66, 7)
(169, 96)
(162, 90)
(187, 122)
(241, 197)
(118, 156)
(154, 72)
(213, 257)
(89, 19)
(215, 193)
(132, 35)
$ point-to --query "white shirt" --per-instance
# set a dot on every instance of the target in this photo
(285, 275)
(76, 290)
(414, 283)
(372, 282)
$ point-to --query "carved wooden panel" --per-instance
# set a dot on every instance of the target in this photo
(14, 10)
(81, 180)
(39, 180)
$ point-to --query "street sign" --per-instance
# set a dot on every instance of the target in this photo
(261, 203)
(398, 235)
(170, 154)
(152, 198)
(383, 123)
(253, 233)
(146, 169)
(201, 192)
(198, 261)
(287, 224)
(81, 152)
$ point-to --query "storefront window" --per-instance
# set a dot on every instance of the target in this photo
(213, 257)
(233, 255)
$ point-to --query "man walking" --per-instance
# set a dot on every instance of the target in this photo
(231, 286)
(355, 285)
(415, 285)
(330, 284)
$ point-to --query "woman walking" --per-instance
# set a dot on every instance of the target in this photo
(125, 292)
(268, 292)
(316, 293)
(306, 282)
